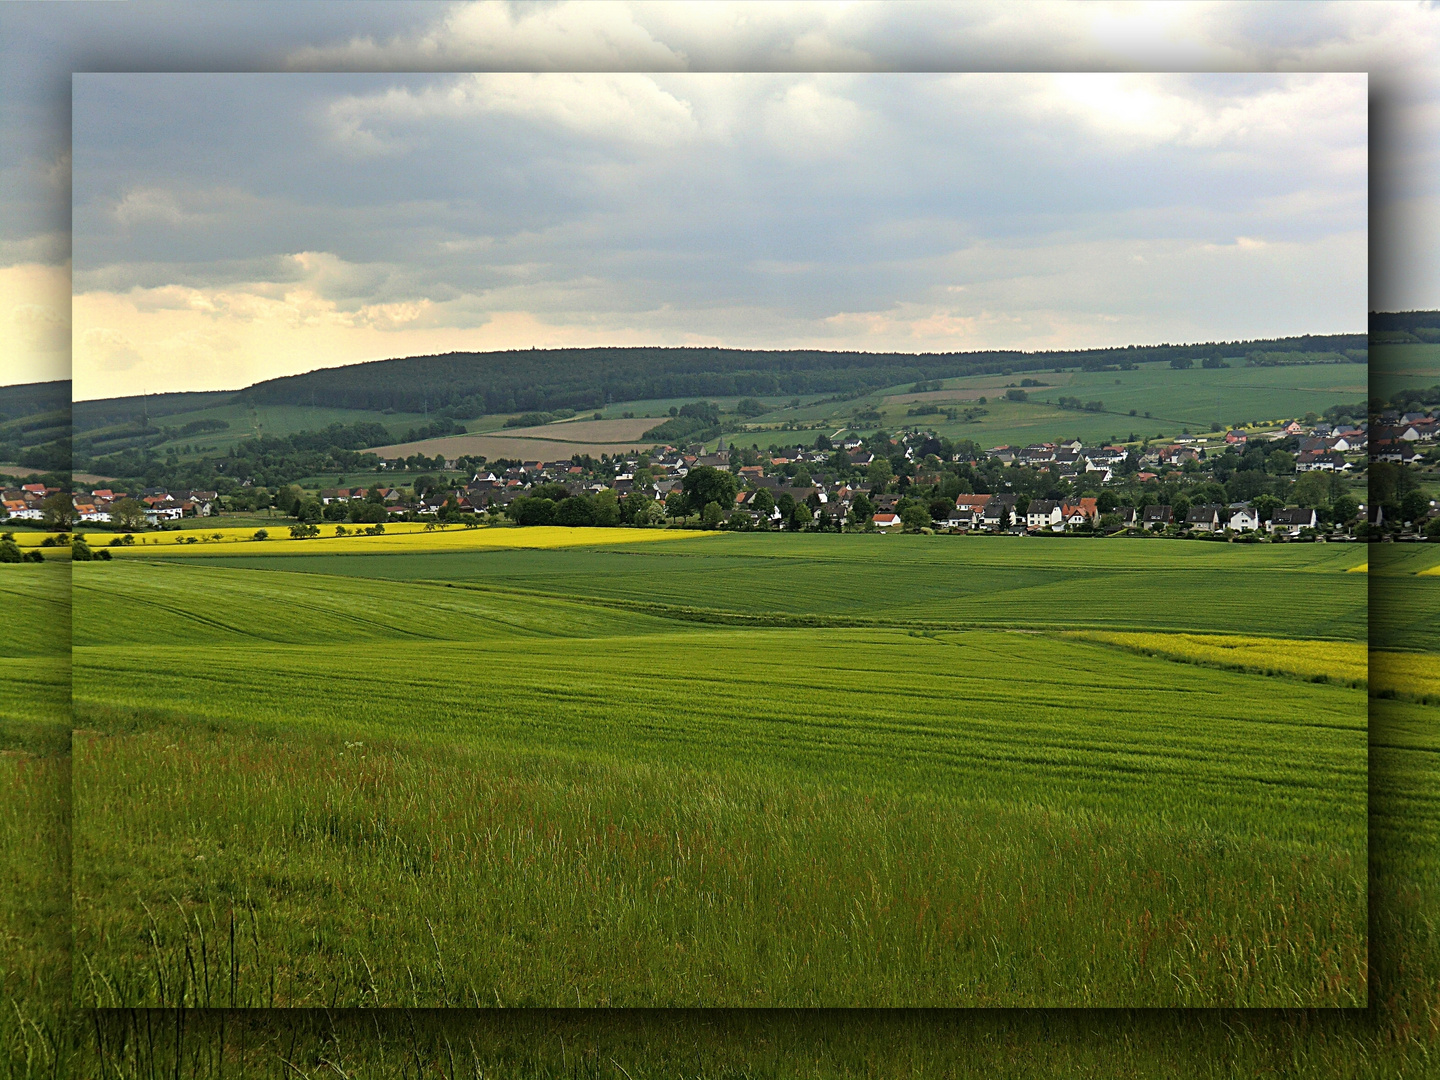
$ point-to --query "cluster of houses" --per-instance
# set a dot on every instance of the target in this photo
(1322, 447)
(1070, 459)
(1404, 438)
(25, 502)
(160, 505)
(998, 513)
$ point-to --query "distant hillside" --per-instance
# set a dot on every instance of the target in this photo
(469, 384)
(1405, 327)
(103, 412)
(35, 425)
(30, 399)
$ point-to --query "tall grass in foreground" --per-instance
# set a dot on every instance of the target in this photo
(35, 914)
(1398, 1035)
(255, 870)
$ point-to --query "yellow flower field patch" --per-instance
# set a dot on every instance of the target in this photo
(1413, 676)
(1342, 662)
(408, 537)
(1363, 568)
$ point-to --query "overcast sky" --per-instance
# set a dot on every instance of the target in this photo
(229, 228)
(253, 226)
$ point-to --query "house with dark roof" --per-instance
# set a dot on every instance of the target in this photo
(1291, 520)
(1157, 517)
(1207, 518)
(998, 512)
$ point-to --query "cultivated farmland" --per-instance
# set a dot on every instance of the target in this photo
(712, 775)
(34, 818)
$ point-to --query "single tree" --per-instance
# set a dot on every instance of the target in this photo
(59, 511)
(914, 517)
(127, 514)
(706, 484)
(763, 503)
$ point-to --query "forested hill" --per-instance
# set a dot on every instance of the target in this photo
(1406, 326)
(541, 379)
(30, 399)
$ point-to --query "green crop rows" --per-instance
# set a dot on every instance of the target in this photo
(653, 787)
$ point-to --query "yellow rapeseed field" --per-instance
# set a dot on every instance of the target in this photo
(1344, 662)
(1363, 568)
(411, 537)
(28, 539)
(1415, 676)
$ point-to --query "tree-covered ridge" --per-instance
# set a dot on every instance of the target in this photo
(1405, 327)
(29, 399)
(550, 379)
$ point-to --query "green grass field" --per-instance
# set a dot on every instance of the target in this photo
(1397, 1036)
(667, 790)
(34, 820)
(918, 581)
(1404, 367)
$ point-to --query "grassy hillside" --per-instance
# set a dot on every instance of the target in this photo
(1192, 399)
(672, 811)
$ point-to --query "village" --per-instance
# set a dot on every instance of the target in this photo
(1291, 480)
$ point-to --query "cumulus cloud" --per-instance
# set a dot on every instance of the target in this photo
(624, 108)
(507, 37)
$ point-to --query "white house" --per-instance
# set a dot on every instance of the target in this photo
(1244, 519)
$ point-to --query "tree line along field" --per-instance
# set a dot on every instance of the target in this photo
(35, 922)
(302, 788)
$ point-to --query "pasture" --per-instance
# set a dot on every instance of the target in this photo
(1176, 400)
(665, 789)
(1405, 367)
(247, 422)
